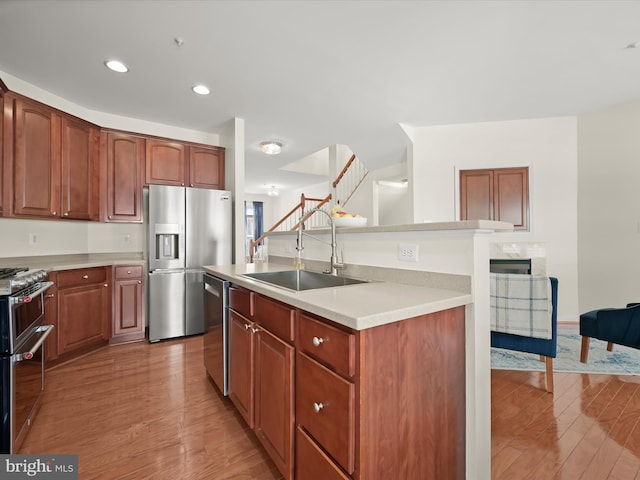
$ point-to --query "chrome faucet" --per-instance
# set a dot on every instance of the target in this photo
(335, 264)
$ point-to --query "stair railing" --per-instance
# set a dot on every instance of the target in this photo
(291, 220)
(349, 179)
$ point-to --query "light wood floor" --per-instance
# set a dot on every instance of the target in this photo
(143, 411)
(589, 428)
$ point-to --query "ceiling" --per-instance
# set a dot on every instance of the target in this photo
(311, 74)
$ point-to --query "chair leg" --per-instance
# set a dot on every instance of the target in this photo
(584, 351)
(610, 346)
(549, 374)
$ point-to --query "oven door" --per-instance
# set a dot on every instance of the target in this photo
(26, 314)
(28, 382)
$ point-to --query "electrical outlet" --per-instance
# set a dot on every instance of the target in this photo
(33, 239)
(408, 252)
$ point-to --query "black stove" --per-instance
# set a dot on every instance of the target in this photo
(22, 337)
(16, 278)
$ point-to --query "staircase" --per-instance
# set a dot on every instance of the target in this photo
(344, 186)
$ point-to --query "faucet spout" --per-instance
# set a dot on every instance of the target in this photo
(335, 264)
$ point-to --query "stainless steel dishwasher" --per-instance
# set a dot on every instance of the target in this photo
(216, 340)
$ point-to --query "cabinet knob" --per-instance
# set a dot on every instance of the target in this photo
(255, 330)
(191, 184)
(51, 295)
(247, 326)
(85, 276)
(66, 214)
(106, 285)
(139, 282)
(110, 217)
(128, 272)
(317, 407)
(54, 213)
(317, 341)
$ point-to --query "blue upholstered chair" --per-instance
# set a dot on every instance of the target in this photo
(539, 346)
(612, 325)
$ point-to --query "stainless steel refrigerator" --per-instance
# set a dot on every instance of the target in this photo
(187, 229)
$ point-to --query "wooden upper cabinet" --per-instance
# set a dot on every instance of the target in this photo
(2, 156)
(165, 163)
(36, 175)
(496, 194)
(124, 156)
(79, 181)
(206, 167)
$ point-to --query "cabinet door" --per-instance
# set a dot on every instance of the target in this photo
(124, 156)
(79, 177)
(476, 195)
(128, 317)
(3, 156)
(84, 315)
(36, 175)
(165, 163)
(274, 422)
(241, 366)
(206, 167)
(511, 196)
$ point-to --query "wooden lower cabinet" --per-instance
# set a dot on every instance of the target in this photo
(128, 304)
(374, 404)
(84, 309)
(261, 375)
(273, 401)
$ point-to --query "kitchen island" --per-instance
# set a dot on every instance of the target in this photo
(413, 321)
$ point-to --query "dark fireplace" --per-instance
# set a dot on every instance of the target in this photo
(510, 265)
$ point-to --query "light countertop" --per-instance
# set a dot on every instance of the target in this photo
(359, 306)
(52, 263)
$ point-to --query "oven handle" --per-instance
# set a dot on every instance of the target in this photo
(30, 296)
(42, 332)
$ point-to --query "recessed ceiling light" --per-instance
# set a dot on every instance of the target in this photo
(116, 66)
(201, 90)
(271, 148)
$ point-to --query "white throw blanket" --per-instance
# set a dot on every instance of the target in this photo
(521, 304)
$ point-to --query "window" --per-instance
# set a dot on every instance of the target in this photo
(496, 194)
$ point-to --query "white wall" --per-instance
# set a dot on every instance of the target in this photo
(609, 207)
(547, 146)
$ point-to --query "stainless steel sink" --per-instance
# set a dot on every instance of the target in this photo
(299, 280)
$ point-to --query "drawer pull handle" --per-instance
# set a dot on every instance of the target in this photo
(85, 276)
(317, 341)
(247, 326)
(317, 407)
(255, 330)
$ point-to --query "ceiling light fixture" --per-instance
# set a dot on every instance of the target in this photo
(273, 191)
(271, 148)
(201, 89)
(116, 66)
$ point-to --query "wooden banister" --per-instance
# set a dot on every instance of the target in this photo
(344, 170)
(300, 206)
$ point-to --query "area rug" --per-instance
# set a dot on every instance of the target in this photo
(622, 361)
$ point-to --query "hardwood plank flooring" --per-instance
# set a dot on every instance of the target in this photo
(588, 429)
(142, 411)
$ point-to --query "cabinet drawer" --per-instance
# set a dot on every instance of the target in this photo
(128, 271)
(274, 316)
(327, 344)
(312, 463)
(82, 276)
(325, 406)
(240, 301)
